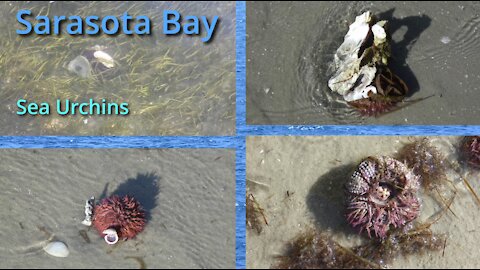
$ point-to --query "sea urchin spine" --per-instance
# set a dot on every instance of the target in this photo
(381, 195)
(124, 215)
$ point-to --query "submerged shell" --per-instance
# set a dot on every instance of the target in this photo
(80, 66)
(104, 58)
(57, 249)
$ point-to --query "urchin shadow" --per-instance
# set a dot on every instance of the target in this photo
(326, 199)
(400, 49)
(145, 188)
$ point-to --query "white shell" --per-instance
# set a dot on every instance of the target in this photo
(104, 58)
(356, 35)
(88, 211)
(363, 88)
(80, 66)
(379, 34)
(111, 236)
(57, 249)
(347, 62)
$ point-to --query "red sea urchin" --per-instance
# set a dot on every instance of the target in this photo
(124, 215)
(381, 195)
(471, 150)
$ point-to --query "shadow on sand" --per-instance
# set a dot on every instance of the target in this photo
(145, 188)
(326, 199)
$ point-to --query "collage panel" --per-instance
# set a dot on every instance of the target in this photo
(117, 208)
(117, 68)
(362, 202)
(362, 63)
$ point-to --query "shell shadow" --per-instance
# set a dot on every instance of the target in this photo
(326, 199)
(400, 49)
(144, 187)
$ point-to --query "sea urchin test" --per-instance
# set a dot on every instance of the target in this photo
(173, 24)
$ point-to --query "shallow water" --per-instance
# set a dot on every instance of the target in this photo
(174, 85)
(290, 46)
(298, 181)
(188, 193)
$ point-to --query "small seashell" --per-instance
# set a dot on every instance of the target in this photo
(104, 58)
(111, 236)
(80, 66)
(57, 249)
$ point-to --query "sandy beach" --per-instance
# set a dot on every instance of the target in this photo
(189, 195)
(298, 181)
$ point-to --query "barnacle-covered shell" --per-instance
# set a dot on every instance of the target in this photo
(381, 195)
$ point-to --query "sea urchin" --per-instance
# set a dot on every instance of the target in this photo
(471, 150)
(381, 195)
(118, 218)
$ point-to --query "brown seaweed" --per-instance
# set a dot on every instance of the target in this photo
(313, 249)
(415, 242)
(84, 235)
(432, 166)
(255, 216)
(140, 261)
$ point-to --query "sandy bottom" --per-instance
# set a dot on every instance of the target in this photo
(313, 170)
(189, 195)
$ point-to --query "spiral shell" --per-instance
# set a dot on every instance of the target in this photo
(381, 195)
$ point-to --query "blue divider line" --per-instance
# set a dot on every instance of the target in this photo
(240, 119)
(118, 142)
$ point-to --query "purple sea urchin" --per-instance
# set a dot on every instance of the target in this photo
(471, 151)
(381, 195)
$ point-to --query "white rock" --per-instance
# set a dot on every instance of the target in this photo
(104, 58)
(57, 249)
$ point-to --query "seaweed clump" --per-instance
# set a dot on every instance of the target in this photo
(415, 242)
(314, 249)
(426, 161)
(432, 166)
(255, 214)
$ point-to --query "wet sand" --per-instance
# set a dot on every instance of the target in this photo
(290, 46)
(188, 193)
(313, 171)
